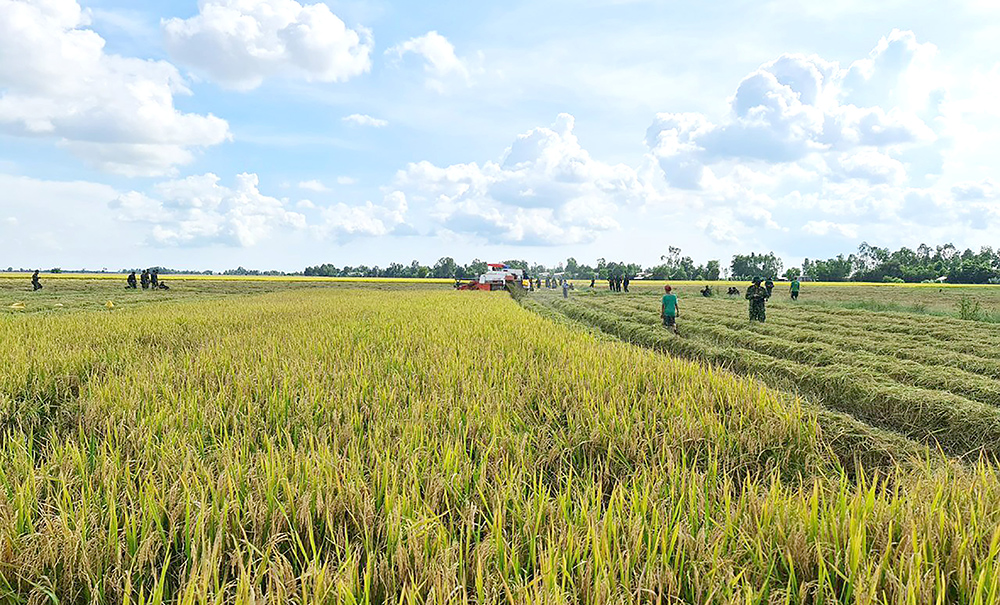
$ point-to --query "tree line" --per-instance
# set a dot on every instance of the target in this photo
(869, 264)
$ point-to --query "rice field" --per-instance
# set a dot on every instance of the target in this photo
(930, 378)
(341, 444)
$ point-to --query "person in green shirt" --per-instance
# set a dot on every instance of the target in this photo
(668, 310)
(795, 288)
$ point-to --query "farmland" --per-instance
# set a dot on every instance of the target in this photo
(244, 441)
(926, 376)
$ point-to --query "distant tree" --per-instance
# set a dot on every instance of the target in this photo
(445, 267)
(475, 268)
(712, 270)
(747, 267)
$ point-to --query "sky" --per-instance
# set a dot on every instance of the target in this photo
(276, 134)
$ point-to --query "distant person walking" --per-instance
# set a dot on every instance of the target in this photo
(796, 286)
(770, 286)
(669, 310)
(154, 279)
(565, 287)
(144, 279)
(593, 280)
(757, 295)
(36, 285)
(130, 280)
(625, 283)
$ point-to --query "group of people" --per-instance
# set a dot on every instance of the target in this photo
(757, 294)
(150, 280)
(618, 284)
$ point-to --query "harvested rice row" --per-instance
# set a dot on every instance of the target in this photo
(950, 379)
(960, 426)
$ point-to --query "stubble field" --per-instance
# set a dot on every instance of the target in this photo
(243, 443)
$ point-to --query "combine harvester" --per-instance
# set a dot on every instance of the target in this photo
(498, 276)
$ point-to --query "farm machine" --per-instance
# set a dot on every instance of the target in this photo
(498, 276)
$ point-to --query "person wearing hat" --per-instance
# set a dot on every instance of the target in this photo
(668, 309)
(757, 295)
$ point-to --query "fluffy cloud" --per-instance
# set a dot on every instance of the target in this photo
(239, 43)
(976, 191)
(359, 119)
(796, 105)
(342, 222)
(117, 113)
(441, 64)
(545, 190)
(198, 211)
(807, 134)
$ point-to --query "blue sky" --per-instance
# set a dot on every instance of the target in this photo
(281, 133)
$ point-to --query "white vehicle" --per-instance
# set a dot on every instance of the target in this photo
(497, 277)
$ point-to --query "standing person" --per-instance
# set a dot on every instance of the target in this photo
(154, 279)
(770, 286)
(36, 285)
(144, 279)
(131, 282)
(795, 288)
(625, 283)
(593, 280)
(565, 287)
(669, 310)
(757, 295)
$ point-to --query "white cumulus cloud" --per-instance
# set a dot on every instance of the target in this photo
(441, 63)
(807, 134)
(343, 222)
(545, 190)
(240, 43)
(198, 211)
(360, 119)
(117, 113)
(799, 105)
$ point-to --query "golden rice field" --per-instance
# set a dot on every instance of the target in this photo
(236, 443)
